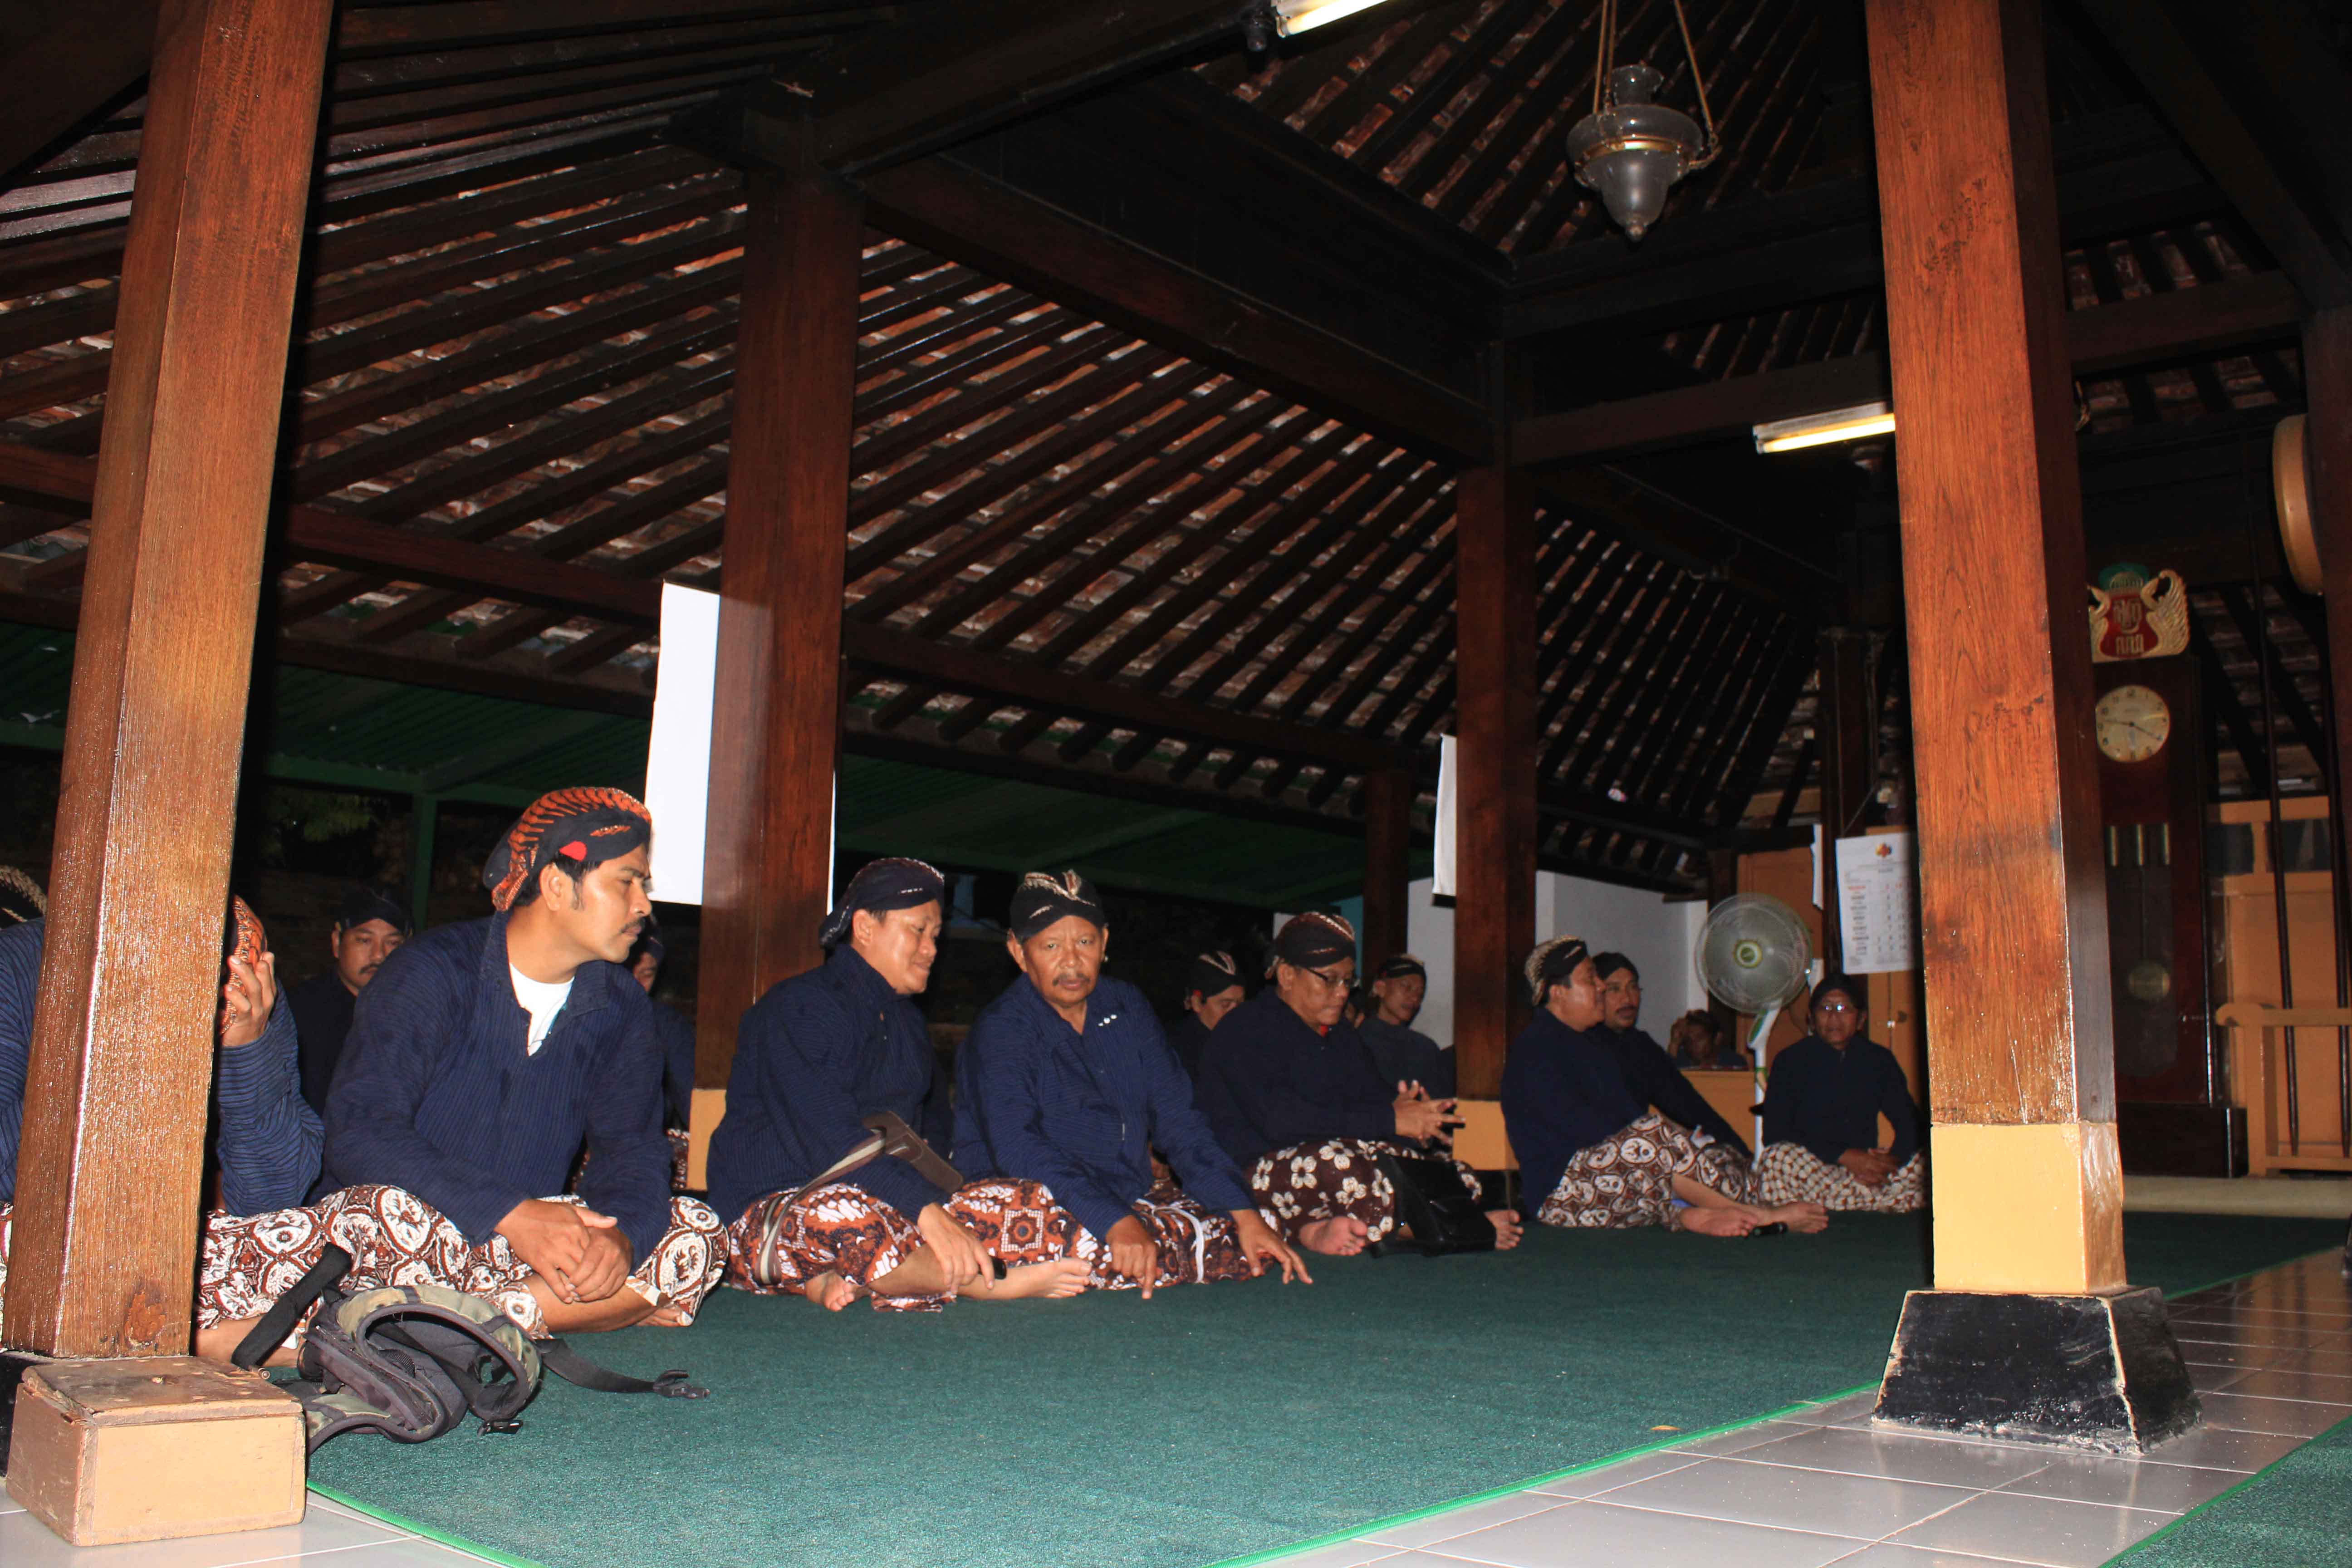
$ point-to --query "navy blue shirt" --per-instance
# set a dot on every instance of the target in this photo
(1039, 1101)
(1830, 1100)
(1653, 1079)
(1402, 1054)
(1561, 1093)
(675, 1034)
(815, 1057)
(266, 1138)
(1189, 1039)
(1270, 1080)
(437, 1094)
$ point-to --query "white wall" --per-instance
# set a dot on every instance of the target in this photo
(1659, 937)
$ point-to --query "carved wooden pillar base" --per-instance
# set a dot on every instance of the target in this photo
(2090, 1371)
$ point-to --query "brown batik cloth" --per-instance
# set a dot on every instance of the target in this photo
(1788, 1173)
(1627, 1180)
(841, 1228)
(1296, 1186)
(396, 1239)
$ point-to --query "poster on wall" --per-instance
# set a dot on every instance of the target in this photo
(1878, 903)
(1441, 881)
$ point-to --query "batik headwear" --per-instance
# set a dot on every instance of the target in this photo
(21, 897)
(1314, 938)
(1551, 963)
(879, 887)
(1404, 966)
(363, 902)
(583, 828)
(1045, 897)
(1212, 972)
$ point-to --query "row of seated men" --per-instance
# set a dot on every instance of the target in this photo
(495, 1123)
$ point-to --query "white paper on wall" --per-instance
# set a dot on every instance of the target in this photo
(678, 762)
(1877, 902)
(1448, 787)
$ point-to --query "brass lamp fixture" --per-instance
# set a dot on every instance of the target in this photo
(1631, 150)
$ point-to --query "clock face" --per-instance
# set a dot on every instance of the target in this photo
(2133, 724)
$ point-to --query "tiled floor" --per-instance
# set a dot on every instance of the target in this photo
(2272, 1356)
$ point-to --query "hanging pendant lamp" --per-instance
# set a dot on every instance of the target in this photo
(1631, 150)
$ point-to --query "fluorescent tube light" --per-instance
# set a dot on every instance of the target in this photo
(1820, 429)
(1295, 17)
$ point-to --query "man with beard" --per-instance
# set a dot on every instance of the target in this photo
(815, 1057)
(1211, 990)
(481, 1058)
(1591, 1154)
(1066, 1082)
(1648, 1071)
(1403, 1053)
(370, 926)
(1290, 1088)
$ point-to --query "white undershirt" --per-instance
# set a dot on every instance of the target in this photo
(542, 1001)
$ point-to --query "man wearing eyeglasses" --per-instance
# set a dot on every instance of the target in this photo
(1821, 1115)
(1293, 1093)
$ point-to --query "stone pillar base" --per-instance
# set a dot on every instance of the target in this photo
(2090, 1371)
(154, 1448)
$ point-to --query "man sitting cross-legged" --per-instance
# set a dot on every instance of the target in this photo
(1591, 1153)
(818, 1054)
(480, 1059)
(265, 1136)
(1294, 1096)
(1648, 1071)
(1066, 1081)
(1821, 1109)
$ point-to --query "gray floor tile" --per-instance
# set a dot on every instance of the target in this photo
(2291, 1417)
(2126, 1483)
(329, 1505)
(1599, 1535)
(1743, 1438)
(1864, 1506)
(2269, 1335)
(1624, 1473)
(1898, 1457)
(2213, 1379)
(1886, 1554)
(2206, 1352)
(414, 1553)
(2284, 1383)
(2330, 1316)
(2219, 1448)
(1844, 1408)
(2036, 1530)
(1462, 1520)
(27, 1542)
(2338, 1363)
(1340, 1554)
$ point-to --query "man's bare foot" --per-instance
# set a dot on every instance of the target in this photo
(1033, 1281)
(220, 1341)
(1810, 1219)
(1718, 1222)
(1342, 1236)
(667, 1316)
(1506, 1228)
(830, 1291)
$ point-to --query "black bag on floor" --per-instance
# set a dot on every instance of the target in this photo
(1436, 1206)
(411, 1362)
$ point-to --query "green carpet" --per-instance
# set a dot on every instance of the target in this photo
(2297, 1511)
(1211, 1422)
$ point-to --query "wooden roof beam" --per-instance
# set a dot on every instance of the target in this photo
(65, 64)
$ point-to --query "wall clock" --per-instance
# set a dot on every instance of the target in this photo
(2133, 724)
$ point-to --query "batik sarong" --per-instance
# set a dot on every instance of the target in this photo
(1296, 1186)
(1788, 1173)
(397, 1239)
(841, 1228)
(1627, 1180)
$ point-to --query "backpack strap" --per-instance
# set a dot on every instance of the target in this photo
(277, 1323)
(569, 1364)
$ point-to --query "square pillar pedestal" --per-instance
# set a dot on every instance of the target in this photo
(154, 1448)
(2099, 1372)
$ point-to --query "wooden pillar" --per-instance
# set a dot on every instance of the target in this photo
(2029, 1330)
(1388, 843)
(1845, 731)
(776, 713)
(1495, 825)
(2327, 473)
(103, 1257)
